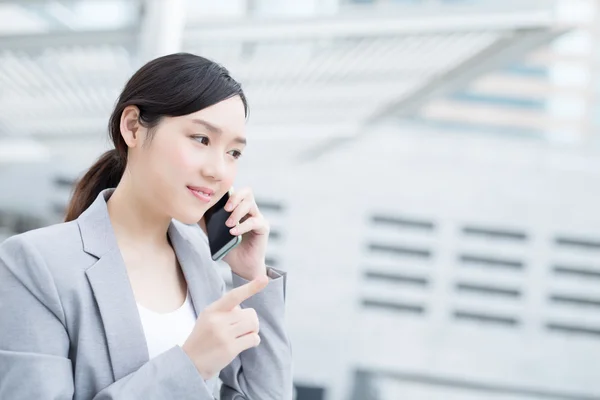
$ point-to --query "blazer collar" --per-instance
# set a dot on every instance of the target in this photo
(96, 230)
(112, 289)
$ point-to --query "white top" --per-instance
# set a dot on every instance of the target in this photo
(163, 331)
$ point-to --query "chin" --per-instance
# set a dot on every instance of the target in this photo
(189, 214)
(189, 218)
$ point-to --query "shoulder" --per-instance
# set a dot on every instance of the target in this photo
(28, 261)
(58, 239)
(45, 255)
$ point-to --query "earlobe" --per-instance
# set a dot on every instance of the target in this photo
(130, 125)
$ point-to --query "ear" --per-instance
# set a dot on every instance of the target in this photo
(131, 129)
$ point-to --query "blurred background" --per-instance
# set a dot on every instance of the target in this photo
(430, 169)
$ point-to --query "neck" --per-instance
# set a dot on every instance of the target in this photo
(202, 225)
(134, 220)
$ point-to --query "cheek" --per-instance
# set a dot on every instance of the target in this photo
(163, 170)
(179, 160)
(229, 176)
(183, 162)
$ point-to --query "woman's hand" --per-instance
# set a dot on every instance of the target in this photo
(248, 258)
(223, 330)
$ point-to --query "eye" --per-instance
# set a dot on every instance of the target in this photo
(202, 139)
(235, 154)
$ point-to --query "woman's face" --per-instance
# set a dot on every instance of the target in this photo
(191, 161)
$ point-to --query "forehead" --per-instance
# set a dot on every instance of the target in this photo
(228, 116)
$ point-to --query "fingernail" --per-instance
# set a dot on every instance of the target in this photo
(234, 231)
(228, 207)
(229, 222)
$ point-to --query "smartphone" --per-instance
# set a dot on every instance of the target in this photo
(220, 240)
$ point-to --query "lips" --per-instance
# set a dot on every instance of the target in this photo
(202, 193)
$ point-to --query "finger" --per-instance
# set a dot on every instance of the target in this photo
(247, 324)
(247, 341)
(257, 224)
(238, 213)
(234, 316)
(237, 197)
(236, 296)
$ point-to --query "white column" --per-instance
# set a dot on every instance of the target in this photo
(162, 25)
(573, 69)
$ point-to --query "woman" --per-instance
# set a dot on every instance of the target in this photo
(122, 301)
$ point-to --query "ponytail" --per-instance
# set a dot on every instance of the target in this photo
(105, 173)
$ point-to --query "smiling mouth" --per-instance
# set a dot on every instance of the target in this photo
(202, 194)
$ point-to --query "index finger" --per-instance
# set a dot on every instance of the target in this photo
(236, 296)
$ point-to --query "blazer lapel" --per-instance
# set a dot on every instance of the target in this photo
(191, 255)
(110, 283)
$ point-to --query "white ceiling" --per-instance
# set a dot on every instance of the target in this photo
(29, 16)
(330, 76)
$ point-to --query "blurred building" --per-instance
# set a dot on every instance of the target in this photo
(429, 168)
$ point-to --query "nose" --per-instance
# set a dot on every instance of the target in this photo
(213, 166)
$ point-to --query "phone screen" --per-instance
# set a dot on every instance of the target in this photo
(216, 230)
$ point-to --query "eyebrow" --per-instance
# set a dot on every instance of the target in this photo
(216, 130)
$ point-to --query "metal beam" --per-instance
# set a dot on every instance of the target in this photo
(251, 30)
(501, 53)
(41, 10)
(33, 2)
(506, 49)
(40, 41)
(408, 23)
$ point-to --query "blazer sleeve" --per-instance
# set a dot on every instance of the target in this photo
(34, 343)
(263, 372)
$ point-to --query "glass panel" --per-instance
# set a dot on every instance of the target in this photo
(52, 16)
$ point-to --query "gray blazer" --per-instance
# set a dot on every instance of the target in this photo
(70, 328)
